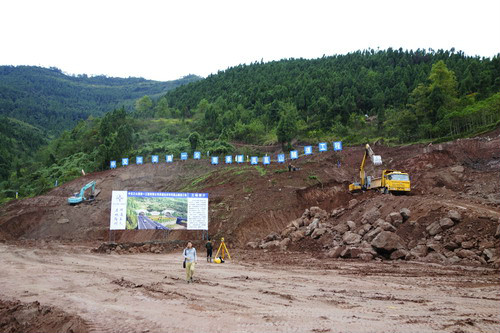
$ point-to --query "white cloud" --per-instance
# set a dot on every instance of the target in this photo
(165, 40)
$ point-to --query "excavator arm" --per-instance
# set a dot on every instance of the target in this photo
(376, 160)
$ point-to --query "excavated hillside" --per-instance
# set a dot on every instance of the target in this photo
(249, 202)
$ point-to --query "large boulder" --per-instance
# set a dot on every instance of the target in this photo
(351, 225)
(335, 252)
(394, 218)
(405, 213)
(372, 234)
(489, 254)
(419, 251)
(365, 256)
(284, 244)
(318, 232)
(451, 246)
(252, 245)
(310, 228)
(386, 226)
(467, 245)
(297, 223)
(272, 236)
(271, 244)
(463, 253)
(398, 254)
(337, 212)
(388, 241)
(287, 231)
(341, 228)
(455, 215)
(434, 228)
(297, 235)
(351, 238)
(370, 216)
(352, 203)
(435, 246)
(318, 213)
(446, 223)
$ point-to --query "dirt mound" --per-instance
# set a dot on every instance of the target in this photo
(33, 317)
(248, 202)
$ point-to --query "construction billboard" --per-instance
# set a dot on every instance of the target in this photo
(135, 210)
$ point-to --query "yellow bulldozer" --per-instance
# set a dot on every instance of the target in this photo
(392, 181)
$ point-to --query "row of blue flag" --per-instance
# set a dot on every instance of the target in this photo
(294, 154)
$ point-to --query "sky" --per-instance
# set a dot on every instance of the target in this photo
(165, 40)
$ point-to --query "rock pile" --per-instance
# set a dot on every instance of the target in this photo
(391, 238)
(145, 247)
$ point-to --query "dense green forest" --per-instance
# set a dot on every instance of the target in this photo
(49, 99)
(393, 95)
(426, 91)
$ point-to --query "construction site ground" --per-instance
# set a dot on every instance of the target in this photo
(254, 292)
(59, 256)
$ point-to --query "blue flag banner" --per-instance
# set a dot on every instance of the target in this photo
(229, 159)
(197, 155)
(240, 159)
(294, 154)
(139, 160)
(169, 158)
(337, 145)
(308, 150)
(281, 158)
(254, 160)
(112, 165)
(322, 146)
(266, 160)
(184, 156)
(124, 161)
(215, 160)
(154, 159)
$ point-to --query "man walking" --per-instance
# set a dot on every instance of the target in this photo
(190, 258)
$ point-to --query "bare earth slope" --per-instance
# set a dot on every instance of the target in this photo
(248, 202)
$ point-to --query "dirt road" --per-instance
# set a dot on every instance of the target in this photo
(147, 293)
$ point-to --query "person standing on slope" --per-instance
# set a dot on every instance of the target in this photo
(209, 247)
(190, 258)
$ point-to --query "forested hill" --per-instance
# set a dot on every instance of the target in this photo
(330, 92)
(51, 100)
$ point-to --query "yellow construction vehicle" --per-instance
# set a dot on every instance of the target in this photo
(391, 181)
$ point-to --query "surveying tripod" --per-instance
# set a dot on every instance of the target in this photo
(224, 249)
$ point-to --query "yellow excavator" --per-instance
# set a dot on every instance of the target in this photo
(393, 181)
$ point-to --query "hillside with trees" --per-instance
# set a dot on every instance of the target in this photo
(51, 100)
(392, 96)
(409, 95)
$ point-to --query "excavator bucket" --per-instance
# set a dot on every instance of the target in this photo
(377, 160)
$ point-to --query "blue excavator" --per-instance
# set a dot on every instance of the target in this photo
(79, 197)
